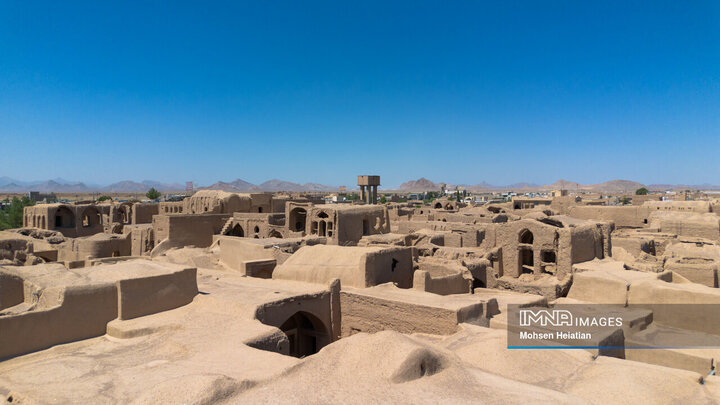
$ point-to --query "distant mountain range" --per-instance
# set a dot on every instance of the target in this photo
(60, 185)
(239, 185)
(612, 186)
(421, 184)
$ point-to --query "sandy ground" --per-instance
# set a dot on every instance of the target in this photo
(195, 354)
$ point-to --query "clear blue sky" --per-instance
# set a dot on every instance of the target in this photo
(462, 92)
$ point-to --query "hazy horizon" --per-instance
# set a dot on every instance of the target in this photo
(501, 92)
(349, 185)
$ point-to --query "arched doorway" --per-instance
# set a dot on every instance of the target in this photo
(91, 217)
(307, 334)
(438, 205)
(64, 218)
(237, 230)
(275, 234)
(124, 215)
(526, 254)
(297, 219)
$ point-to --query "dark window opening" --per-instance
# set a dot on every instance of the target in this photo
(526, 237)
(548, 256)
(366, 227)
(394, 264)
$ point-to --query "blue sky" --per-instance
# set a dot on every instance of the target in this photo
(462, 92)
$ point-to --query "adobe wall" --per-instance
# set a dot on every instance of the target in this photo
(83, 312)
(687, 224)
(623, 216)
(234, 251)
(261, 202)
(148, 295)
(409, 311)
(700, 207)
(441, 284)
(97, 246)
(141, 239)
(216, 202)
(696, 269)
(544, 238)
(11, 290)
(256, 225)
(143, 212)
(69, 219)
(320, 306)
(389, 265)
(187, 230)
(586, 242)
(345, 225)
(353, 266)
(170, 207)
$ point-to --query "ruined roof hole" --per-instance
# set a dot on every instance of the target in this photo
(306, 334)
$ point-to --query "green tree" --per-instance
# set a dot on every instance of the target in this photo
(11, 214)
(430, 197)
(641, 191)
(383, 200)
(624, 201)
(104, 198)
(153, 194)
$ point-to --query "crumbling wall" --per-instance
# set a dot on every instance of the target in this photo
(623, 216)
